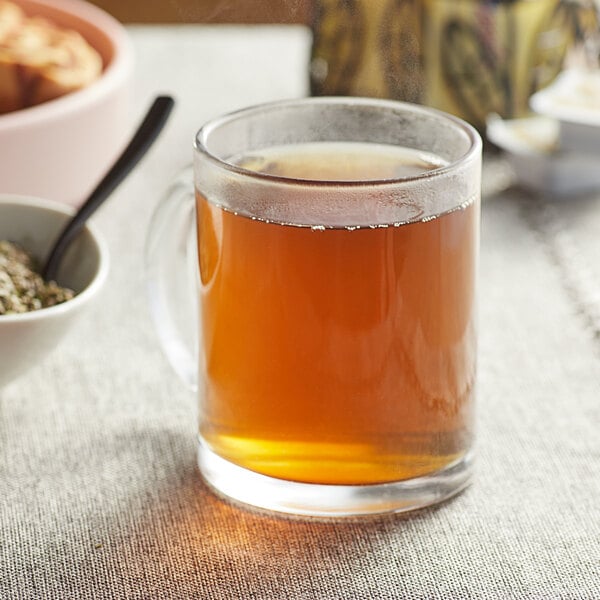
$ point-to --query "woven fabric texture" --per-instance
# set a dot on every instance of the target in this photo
(100, 496)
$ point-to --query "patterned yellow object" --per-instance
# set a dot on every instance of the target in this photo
(467, 57)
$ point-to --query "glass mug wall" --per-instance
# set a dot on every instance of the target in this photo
(337, 243)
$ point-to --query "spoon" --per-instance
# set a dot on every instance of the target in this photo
(140, 143)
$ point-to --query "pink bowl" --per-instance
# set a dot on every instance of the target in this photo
(61, 148)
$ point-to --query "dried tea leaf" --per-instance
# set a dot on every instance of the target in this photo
(22, 289)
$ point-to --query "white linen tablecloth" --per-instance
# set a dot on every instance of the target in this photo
(100, 496)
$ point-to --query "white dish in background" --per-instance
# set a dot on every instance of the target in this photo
(574, 100)
(531, 147)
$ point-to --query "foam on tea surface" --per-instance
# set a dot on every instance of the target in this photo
(337, 185)
(340, 161)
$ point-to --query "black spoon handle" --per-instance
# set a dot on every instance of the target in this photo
(144, 137)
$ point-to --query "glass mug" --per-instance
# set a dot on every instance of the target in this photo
(334, 280)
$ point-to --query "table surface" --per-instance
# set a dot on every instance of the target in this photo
(100, 496)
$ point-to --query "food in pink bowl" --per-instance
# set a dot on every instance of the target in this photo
(65, 87)
(40, 60)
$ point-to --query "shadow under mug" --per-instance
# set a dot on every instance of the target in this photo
(326, 319)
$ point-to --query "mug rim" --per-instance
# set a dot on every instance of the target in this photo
(472, 152)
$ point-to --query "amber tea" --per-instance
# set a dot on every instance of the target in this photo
(337, 354)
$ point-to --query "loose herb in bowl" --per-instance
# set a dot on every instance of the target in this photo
(22, 288)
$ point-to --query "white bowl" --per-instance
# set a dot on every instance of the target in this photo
(25, 339)
(531, 146)
(574, 101)
(61, 148)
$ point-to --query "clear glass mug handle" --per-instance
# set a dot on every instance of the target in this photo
(172, 277)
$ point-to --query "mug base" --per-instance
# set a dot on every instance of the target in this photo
(316, 500)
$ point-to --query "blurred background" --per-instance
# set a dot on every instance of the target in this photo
(205, 11)
(486, 61)
(471, 59)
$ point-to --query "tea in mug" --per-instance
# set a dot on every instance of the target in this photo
(337, 354)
